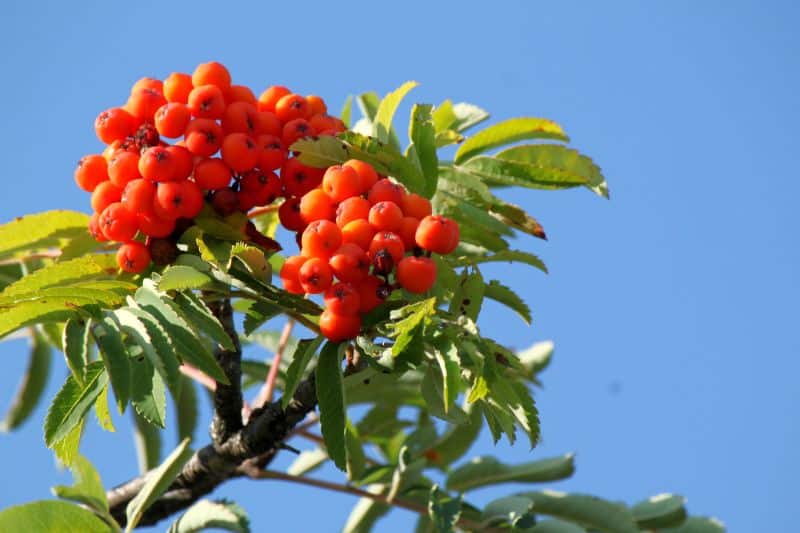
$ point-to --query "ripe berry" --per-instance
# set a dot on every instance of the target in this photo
(212, 174)
(177, 199)
(148, 83)
(153, 226)
(146, 136)
(315, 275)
(177, 87)
(342, 299)
(326, 123)
(298, 179)
(316, 205)
(105, 194)
(416, 274)
(371, 292)
(207, 101)
(296, 129)
(386, 190)
(114, 125)
(133, 257)
(320, 239)
(289, 214)
(212, 73)
(91, 171)
(184, 161)
(143, 103)
(407, 232)
(270, 97)
(414, 205)
(239, 152)
(203, 137)
(94, 228)
(240, 117)
(350, 263)
(123, 168)
(258, 187)
(138, 195)
(240, 93)
(162, 251)
(389, 242)
(382, 262)
(118, 223)
(338, 328)
(358, 232)
(290, 274)
(225, 201)
(437, 234)
(171, 119)
(365, 171)
(316, 105)
(157, 164)
(341, 183)
(351, 209)
(385, 216)
(271, 153)
(291, 107)
(267, 123)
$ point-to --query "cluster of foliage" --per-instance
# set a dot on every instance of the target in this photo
(424, 375)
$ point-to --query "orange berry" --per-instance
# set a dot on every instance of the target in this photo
(271, 153)
(268, 124)
(365, 171)
(320, 239)
(358, 232)
(315, 275)
(212, 174)
(385, 216)
(388, 242)
(338, 328)
(316, 205)
(414, 205)
(316, 105)
(296, 129)
(177, 87)
(239, 151)
(289, 214)
(350, 263)
(298, 179)
(290, 274)
(184, 161)
(148, 83)
(351, 209)
(212, 73)
(143, 103)
(342, 299)
(133, 257)
(291, 107)
(171, 119)
(203, 137)
(92, 170)
(437, 234)
(105, 194)
(123, 168)
(157, 164)
(94, 228)
(408, 231)
(270, 97)
(153, 226)
(240, 117)
(240, 93)
(371, 292)
(138, 195)
(326, 123)
(341, 183)
(416, 274)
(118, 223)
(386, 190)
(207, 101)
(114, 124)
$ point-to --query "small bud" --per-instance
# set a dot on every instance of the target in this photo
(225, 202)
(162, 251)
(383, 262)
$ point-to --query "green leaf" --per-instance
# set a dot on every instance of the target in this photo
(468, 298)
(147, 392)
(517, 400)
(504, 256)
(562, 158)
(500, 293)
(556, 526)
(42, 312)
(356, 460)
(512, 510)
(330, 395)
(366, 512)
(536, 358)
(72, 402)
(75, 344)
(115, 357)
(347, 110)
(303, 354)
(258, 313)
(368, 104)
(507, 132)
(443, 116)
(186, 409)
(51, 515)
(157, 482)
(101, 411)
(446, 356)
(207, 514)
(467, 115)
(147, 439)
(422, 135)
(458, 439)
(408, 323)
(588, 511)
(41, 230)
(307, 461)
(186, 340)
(484, 471)
(89, 267)
(229, 229)
(431, 389)
(66, 449)
(660, 511)
(32, 385)
(443, 510)
(87, 487)
(698, 524)
(199, 315)
(516, 217)
(501, 172)
(382, 122)
(181, 277)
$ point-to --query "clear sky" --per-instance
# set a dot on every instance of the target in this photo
(673, 307)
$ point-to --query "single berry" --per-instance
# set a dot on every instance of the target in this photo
(267, 123)
(148, 83)
(157, 164)
(105, 194)
(290, 274)
(138, 195)
(371, 292)
(207, 101)
(341, 183)
(212, 73)
(270, 97)
(408, 231)
(385, 216)
(123, 168)
(386, 190)
(240, 117)
(296, 129)
(94, 228)
(437, 234)
(177, 87)
(350, 263)
(342, 299)
(338, 328)
(389, 242)
(225, 201)
(291, 107)
(321, 238)
(358, 232)
(351, 209)
(92, 170)
(315, 275)
(143, 103)
(240, 152)
(365, 171)
(203, 137)
(271, 153)
(414, 205)
(178, 199)
(316, 105)
(118, 223)
(133, 257)
(416, 274)
(382, 262)
(114, 124)
(298, 179)
(240, 93)
(212, 174)
(289, 214)
(171, 119)
(153, 226)
(184, 161)
(316, 205)
(258, 187)
(162, 251)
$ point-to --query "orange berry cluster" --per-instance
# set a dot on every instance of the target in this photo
(229, 146)
(361, 236)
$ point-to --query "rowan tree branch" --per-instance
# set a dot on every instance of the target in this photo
(227, 398)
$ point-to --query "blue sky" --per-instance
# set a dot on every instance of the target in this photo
(673, 306)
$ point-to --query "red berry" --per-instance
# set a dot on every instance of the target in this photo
(350, 263)
(258, 187)
(225, 201)
(239, 152)
(365, 171)
(94, 228)
(291, 107)
(153, 226)
(206, 101)
(184, 161)
(338, 328)
(315, 275)
(203, 137)
(371, 292)
(341, 183)
(114, 124)
(437, 234)
(178, 199)
(342, 299)
(352, 209)
(271, 152)
(316, 205)
(148, 83)
(407, 232)
(212, 73)
(105, 194)
(268, 124)
(143, 103)
(91, 171)
(289, 214)
(296, 129)
(177, 87)
(138, 195)
(123, 167)
(133, 257)
(359, 232)
(416, 274)
(118, 223)
(157, 164)
(321, 238)
(270, 97)
(171, 119)
(316, 105)
(414, 205)
(240, 117)
(298, 179)
(385, 216)
(212, 174)
(386, 190)
(389, 242)
(290, 272)
(240, 93)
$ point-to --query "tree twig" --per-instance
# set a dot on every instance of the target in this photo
(227, 398)
(268, 388)
(253, 213)
(199, 376)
